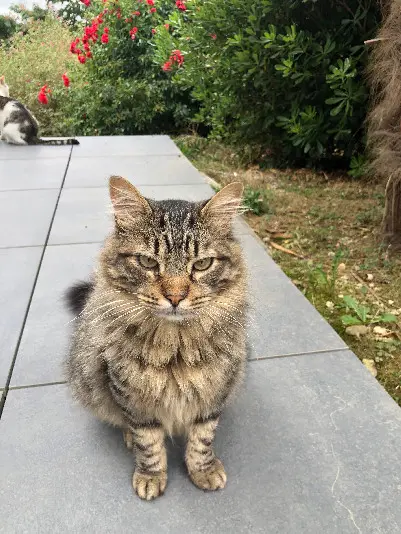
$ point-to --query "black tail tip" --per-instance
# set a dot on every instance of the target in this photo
(77, 296)
(74, 142)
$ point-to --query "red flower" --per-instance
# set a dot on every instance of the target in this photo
(153, 10)
(150, 2)
(42, 97)
(181, 5)
(89, 54)
(177, 56)
(66, 80)
(104, 38)
(137, 13)
(86, 2)
(167, 26)
(133, 31)
(106, 30)
(153, 30)
(73, 46)
(213, 36)
(81, 59)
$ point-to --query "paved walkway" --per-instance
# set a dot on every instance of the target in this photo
(312, 445)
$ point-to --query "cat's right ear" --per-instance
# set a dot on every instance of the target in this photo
(2, 80)
(223, 207)
(130, 207)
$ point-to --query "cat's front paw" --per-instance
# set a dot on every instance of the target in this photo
(148, 486)
(212, 478)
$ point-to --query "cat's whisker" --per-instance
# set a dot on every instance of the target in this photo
(128, 324)
(130, 311)
(219, 328)
(110, 310)
(90, 303)
(225, 313)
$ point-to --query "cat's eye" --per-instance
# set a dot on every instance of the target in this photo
(202, 265)
(147, 263)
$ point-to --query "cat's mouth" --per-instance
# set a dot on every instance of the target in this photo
(176, 314)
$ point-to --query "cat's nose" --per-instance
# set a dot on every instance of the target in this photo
(176, 298)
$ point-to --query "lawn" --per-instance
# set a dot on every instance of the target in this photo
(324, 231)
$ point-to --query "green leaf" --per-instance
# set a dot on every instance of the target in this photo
(349, 320)
(334, 112)
(334, 100)
(388, 318)
(350, 302)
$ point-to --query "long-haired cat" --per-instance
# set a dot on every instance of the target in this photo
(160, 342)
(17, 124)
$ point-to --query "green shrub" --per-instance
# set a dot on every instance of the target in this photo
(119, 88)
(8, 26)
(283, 75)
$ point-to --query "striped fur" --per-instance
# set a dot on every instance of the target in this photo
(160, 344)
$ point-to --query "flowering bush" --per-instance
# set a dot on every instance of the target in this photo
(285, 76)
(117, 86)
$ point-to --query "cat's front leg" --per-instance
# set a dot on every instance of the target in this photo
(205, 469)
(150, 477)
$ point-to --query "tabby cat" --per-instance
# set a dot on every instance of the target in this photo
(160, 342)
(17, 124)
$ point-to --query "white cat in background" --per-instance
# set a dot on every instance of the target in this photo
(17, 124)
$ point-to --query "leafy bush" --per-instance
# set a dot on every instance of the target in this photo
(8, 26)
(36, 57)
(116, 85)
(283, 75)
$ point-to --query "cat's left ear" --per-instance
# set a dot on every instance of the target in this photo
(128, 203)
(222, 209)
(2, 80)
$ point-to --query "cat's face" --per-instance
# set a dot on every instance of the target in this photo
(4, 91)
(176, 258)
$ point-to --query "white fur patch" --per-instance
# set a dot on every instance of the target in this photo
(10, 133)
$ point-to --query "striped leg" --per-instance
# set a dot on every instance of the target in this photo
(205, 470)
(150, 476)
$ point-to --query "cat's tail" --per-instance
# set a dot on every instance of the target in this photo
(77, 295)
(54, 142)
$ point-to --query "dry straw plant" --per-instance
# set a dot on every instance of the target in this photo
(384, 120)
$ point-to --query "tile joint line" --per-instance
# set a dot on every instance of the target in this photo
(7, 384)
(294, 354)
(30, 386)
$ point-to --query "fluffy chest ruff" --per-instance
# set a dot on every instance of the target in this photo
(169, 372)
(174, 373)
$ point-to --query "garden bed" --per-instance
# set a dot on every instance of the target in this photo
(324, 231)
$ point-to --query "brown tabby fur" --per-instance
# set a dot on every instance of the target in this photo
(160, 350)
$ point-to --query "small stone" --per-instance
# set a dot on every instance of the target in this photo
(330, 305)
(381, 331)
(370, 364)
(341, 268)
(357, 330)
(369, 276)
(391, 302)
